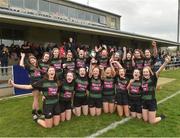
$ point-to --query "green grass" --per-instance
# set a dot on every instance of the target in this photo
(15, 118)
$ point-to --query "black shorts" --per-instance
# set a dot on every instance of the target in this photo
(150, 105)
(109, 99)
(135, 105)
(122, 99)
(65, 105)
(80, 101)
(95, 102)
(50, 110)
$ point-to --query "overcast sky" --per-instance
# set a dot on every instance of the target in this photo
(156, 18)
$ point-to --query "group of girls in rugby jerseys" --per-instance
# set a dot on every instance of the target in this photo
(84, 84)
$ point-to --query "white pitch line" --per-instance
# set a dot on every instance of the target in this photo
(17, 96)
(115, 124)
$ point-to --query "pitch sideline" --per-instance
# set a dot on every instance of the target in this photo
(115, 124)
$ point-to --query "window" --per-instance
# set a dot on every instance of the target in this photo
(113, 22)
(81, 14)
(43, 6)
(54, 8)
(31, 4)
(88, 16)
(63, 10)
(72, 12)
(102, 19)
(16, 3)
(96, 18)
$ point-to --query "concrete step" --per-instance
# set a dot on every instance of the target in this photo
(6, 92)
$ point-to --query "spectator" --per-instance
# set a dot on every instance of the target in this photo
(4, 60)
(71, 46)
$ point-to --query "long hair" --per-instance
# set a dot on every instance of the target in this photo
(140, 51)
(46, 77)
(32, 56)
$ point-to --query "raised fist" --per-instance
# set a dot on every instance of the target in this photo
(153, 43)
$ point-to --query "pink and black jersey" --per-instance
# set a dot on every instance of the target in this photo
(80, 63)
(95, 88)
(109, 86)
(121, 85)
(139, 63)
(81, 86)
(149, 62)
(149, 87)
(135, 89)
(66, 90)
(103, 61)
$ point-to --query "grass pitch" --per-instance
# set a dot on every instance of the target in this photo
(16, 121)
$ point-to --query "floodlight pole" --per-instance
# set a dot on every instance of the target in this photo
(178, 25)
(88, 2)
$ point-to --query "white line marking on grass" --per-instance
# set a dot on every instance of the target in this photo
(17, 96)
(115, 124)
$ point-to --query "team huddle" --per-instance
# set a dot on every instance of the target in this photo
(92, 83)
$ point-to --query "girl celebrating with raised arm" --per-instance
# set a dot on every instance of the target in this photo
(35, 75)
(127, 63)
(138, 59)
(149, 60)
(95, 91)
(149, 104)
(108, 89)
(49, 88)
(122, 93)
(56, 62)
(44, 63)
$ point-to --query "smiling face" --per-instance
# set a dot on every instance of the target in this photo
(104, 53)
(146, 73)
(33, 61)
(96, 72)
(69, 55)
(137, 54)
(147, 53)
(56, 53)
(108, 72)
(46, 57)
(82, 72)
(136, 74)
(69, 77)
(128, 56)
(122, 73)
(51, 73)
(116, 56)
(81, 53)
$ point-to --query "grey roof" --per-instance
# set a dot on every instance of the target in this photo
(95, 29)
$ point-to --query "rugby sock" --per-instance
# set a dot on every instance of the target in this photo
(39, 112)
(162, 117)
(33, 111)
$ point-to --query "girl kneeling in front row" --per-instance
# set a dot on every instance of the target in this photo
(80, 96)
(66, 96)
(149, 82)
(49, 88)
(95, 91)
(134, 91)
